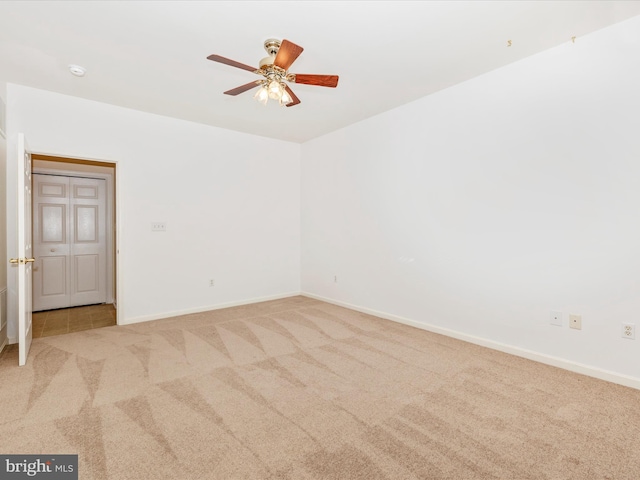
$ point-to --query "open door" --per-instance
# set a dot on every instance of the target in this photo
(24, 262)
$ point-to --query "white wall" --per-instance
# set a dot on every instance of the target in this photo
(232, 209)
(3, 235)
(3, 244)
(483, 207)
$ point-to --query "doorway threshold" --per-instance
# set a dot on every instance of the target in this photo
(75, 319)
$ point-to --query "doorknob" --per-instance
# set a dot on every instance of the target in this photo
(21, 260)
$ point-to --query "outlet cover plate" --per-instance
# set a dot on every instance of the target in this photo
(555, 318)
(629, 331)
(575, 321)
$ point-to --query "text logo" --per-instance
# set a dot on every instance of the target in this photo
(43, 467)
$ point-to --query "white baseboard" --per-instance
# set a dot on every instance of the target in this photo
(3, 317)
(177, 313)
(3, 119)
(3, 308)
(601, 374)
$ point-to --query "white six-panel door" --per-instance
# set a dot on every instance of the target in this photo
(51, 276)
(24, 262)
(69, 230)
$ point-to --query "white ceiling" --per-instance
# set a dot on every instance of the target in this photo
(151, 55)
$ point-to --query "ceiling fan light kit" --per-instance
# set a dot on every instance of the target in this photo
(275, 70)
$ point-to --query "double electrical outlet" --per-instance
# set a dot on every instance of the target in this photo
(629, 331)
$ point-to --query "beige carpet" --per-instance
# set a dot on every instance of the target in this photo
(300, 389)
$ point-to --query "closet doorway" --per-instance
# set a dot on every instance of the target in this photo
(69, 241)
(74, 244)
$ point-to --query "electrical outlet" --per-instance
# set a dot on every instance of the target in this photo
(158, 227)
(555, 318)
(575, 321)
(212, 283)
(629, 331)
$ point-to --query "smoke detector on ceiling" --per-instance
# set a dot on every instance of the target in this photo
(77, 70)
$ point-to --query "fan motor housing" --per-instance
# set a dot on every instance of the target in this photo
(272, 45)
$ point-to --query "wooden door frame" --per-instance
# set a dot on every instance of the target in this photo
(114, 291)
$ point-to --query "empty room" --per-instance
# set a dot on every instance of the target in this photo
(320, 240)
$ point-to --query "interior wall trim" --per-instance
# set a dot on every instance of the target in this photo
(609, 376)
(3, 119)
(3, 308)
(3, 316)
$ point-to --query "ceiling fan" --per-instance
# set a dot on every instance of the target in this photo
(275, 70)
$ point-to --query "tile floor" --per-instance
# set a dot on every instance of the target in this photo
(67, 320)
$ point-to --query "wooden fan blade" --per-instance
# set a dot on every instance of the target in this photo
(287, 54)
(294, 100)
(233, 63)
(242, 88)
(319, 80)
